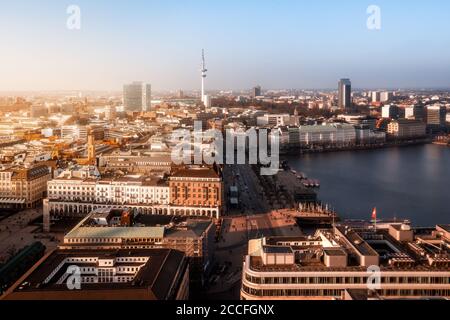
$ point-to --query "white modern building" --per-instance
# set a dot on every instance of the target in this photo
(391, 111)
(336, 133)
(334, 262)
(74, 132)
(274, 120)
(415, 112)
(135, 189)
(386, 96)
(376, 96)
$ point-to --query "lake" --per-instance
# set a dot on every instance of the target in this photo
(410, 182)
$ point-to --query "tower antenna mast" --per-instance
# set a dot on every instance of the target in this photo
(204, 71)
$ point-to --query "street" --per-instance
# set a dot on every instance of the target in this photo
(18, 231)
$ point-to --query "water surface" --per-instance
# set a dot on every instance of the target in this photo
(409, 182)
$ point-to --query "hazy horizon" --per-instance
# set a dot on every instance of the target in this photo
(285, 44)
(165, 91)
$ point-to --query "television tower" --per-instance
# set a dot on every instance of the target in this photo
(204, 70)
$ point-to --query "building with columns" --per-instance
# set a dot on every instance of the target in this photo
(188, 192)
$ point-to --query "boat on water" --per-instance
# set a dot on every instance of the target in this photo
(316, 215)
(380, 223)
(311, 183)
(307, 183)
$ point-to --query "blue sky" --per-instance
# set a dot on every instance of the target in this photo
(278, 44)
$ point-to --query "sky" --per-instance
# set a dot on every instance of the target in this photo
(277, 44)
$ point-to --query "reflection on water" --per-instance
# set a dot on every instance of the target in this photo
(411, 182)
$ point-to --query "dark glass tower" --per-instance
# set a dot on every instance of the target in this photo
(345, 94)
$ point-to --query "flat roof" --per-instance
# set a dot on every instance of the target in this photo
(116, 232)
(277, 249)
(153, 281)
(276, 240)
(359, 243)
(335, 252)
(191, 229)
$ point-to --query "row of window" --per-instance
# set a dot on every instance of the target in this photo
(194, 202)
(93, 188)
(346, 280)
(112, 240)
(338, 293)
(106, 279)
(194, 184)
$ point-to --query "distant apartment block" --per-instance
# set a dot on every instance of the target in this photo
(274, 120)
(256, 91)
(391, 111)
(336, 133)
(366, 136)
(435, 116)
(405, 129)
(415, 112)
(361, 120)
(386, 96)
(137, 97)
(376, 96)
(37, 111)
(74, 132)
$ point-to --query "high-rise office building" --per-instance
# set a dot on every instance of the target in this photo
(37, 111)
(345, 94)
(376, 96)
(435, 116)
(137, 97)
(415, 112)
(391, 111)
(386, 96)
(207, 101)
(256, 91)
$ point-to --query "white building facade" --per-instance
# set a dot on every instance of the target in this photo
(132, 190)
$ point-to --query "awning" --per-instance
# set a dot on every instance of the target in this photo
(12, 201)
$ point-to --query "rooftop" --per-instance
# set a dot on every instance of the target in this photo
(429, 251)
(116, 232)
(277, 249)
(207, 173)
(143, 227)
(149, 282)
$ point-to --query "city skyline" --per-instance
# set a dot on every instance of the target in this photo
(306, 45)
(196, 151)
